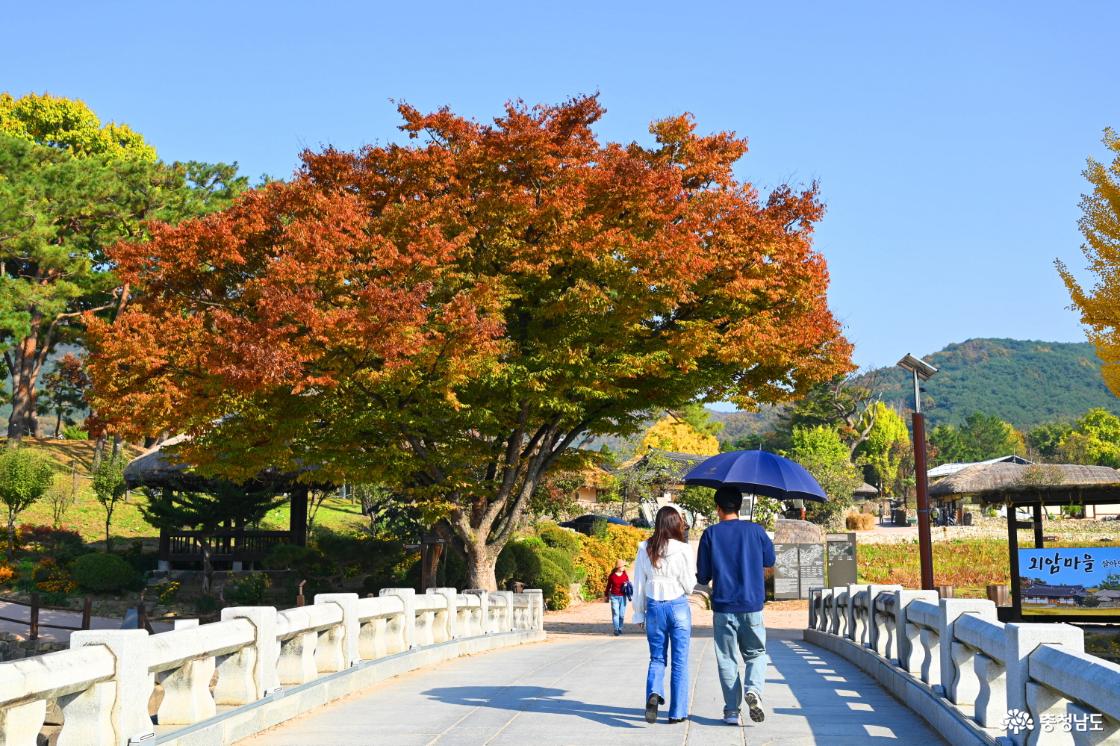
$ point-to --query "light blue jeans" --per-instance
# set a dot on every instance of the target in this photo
(739, 634)
(669, 628)
(618, 611)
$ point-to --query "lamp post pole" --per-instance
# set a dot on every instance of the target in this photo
(921, 487)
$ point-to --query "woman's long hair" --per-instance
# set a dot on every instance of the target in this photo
(667, 525)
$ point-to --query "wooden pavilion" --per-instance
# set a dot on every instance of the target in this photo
(1034, 487)
(234, 544)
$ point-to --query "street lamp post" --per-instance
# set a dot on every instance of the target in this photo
(921, 371)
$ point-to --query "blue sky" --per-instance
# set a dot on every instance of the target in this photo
(948, 138)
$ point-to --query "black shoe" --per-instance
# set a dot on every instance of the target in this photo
(617, 633)
(652, 701)
(754, 706)
(674, 721)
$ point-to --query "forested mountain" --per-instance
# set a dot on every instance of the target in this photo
(1022, 382)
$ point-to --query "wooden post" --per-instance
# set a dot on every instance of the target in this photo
(33, 633)
(297, 519)
(87, 612)
(300, 600)
(142, 616)
(1037, 509)
(1013, 549)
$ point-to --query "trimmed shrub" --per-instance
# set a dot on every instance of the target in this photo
(61, 544)
(519, 561)
(103, 573)
(559, 538)
(247, 590)
(595, 562)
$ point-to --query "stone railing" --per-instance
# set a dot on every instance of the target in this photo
(965, 672)
(216, 682)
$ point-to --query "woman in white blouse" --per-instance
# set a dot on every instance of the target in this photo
(664, 576)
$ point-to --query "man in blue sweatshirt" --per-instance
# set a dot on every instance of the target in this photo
(732, 556)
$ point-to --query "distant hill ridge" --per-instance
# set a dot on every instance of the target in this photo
(1024, 382)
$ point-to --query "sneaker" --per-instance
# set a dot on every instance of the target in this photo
(674, 721)
(731, 719)
(617, 632)
(652, 701)
(754, 705)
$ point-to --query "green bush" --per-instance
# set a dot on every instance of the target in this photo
(103, 573)
(204, 605)
(519, 561)
(248, 589)
(559, 538)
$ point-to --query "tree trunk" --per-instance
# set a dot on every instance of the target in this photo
(481, 561)
(24, 369)
(58, 424)
(430, 554)
(108, 537)
(11, 536)
(98, 452)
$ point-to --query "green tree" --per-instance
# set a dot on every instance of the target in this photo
(70, 188)
(109, 488)
(25, 476)
(64, 390)
(824, 455)
(1094, 439)
(69, 125)
(699, 419)
(842, 404)
(886, 446)
(982, 437)
(1045, 440)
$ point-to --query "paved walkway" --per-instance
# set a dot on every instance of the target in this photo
(587, 688)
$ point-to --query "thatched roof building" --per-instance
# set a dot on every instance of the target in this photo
(1031, 482)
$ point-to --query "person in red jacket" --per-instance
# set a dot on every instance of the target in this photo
(619, 592)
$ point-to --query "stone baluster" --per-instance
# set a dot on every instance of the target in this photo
(872, 624)
(408, 627)
(296, 664)
(1022, 639)
(958, 671)
(536, 608)
(87, 718)
(186, 693)
(991, 698)
(446, 622)
(250, 674)
(906, 635)
(349, 629)
(483, 609)
(505, 616)
(132, 682)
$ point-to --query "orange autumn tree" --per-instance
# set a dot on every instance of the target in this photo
(451, 315)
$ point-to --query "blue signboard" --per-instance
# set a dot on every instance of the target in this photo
(1084, 581)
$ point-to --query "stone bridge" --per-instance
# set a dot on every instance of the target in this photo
(874, 664)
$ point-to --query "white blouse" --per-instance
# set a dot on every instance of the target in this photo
(674, 576)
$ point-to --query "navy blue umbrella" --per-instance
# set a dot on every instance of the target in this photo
(757, 473)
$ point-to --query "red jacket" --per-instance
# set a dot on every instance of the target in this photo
(615, 583)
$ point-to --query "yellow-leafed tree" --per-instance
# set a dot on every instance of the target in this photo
(1100, 224)
(672, 434)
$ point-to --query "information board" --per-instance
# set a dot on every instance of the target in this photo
(841, 559)
(811, 558)
(1073, 581)
(787, 573)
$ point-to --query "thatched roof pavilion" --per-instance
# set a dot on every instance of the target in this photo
(866, 491)
(157, 469)
(1031, 483)
(1035, 486)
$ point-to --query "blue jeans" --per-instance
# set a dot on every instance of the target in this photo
(669, 625)
(618, 611)
(744, 633)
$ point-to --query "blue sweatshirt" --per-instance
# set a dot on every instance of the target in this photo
(731, 556)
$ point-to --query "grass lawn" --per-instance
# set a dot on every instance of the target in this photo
(87, 517)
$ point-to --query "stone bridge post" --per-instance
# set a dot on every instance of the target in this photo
(408, 598)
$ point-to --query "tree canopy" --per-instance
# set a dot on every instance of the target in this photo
(672, 434)
(447, 316)
(981, 437)
(69, 189)
(824, 454)
(1100, 225)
